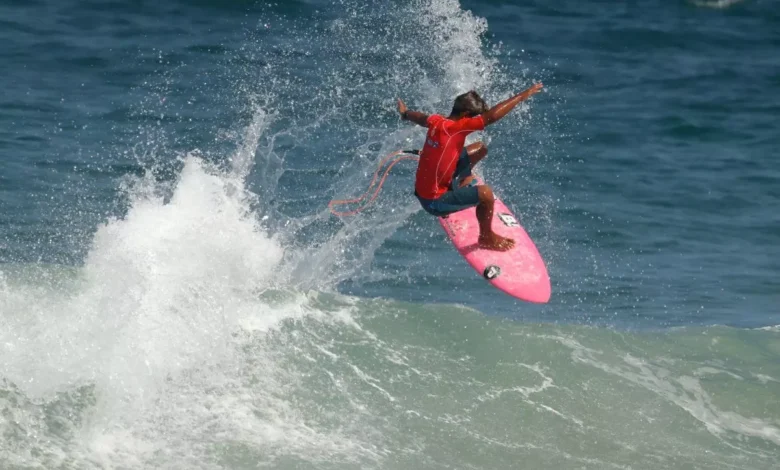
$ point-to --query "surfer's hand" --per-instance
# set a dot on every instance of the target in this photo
(536, 88)
(401, 107)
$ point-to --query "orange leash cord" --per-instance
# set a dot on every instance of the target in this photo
(399, 156)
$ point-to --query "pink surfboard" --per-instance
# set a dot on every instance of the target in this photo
(520, 272)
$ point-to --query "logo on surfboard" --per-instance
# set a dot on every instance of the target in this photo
(491, 272)
(508, 220)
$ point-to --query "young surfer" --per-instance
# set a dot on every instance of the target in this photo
(444, 183)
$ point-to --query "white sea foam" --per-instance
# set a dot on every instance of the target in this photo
(684, 391)
(173, 333)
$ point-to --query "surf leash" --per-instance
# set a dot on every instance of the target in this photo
(392, 159)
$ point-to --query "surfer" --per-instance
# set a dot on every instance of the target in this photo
(444, 183)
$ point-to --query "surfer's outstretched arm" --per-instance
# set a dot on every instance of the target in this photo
(502, 109)
(414, 116)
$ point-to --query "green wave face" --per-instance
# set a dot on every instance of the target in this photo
(311, 380)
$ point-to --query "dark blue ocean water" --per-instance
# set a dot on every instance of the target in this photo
(647, 173)
(166, 166)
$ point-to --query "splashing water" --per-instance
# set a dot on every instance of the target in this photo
(176, 344)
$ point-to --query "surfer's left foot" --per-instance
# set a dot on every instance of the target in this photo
(496, 242)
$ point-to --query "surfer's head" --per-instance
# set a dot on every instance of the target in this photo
(469, 105)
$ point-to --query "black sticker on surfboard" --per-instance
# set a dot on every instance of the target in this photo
(508, 220)
(491, 272)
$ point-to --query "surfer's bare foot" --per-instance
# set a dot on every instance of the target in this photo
(496, 242)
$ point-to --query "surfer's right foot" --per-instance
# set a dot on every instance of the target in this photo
(496, 242)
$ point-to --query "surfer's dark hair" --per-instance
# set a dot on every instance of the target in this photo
(470, 104)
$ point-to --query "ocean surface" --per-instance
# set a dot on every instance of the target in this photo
(175, 294)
